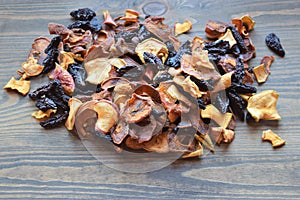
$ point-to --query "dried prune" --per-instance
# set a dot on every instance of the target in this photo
(44, 89)
(45, 104)
(171, 49)
(78, 73)
(94, 25)
(201, 103)
(55, 121)
(52, 55)
(153, 59)
(219, 46)
(273, 42)
(174, 61)
(238, 38)
(53, 44)
(203, 85)
(239, 73)
(83, 14)
(243, 88)
(237, 104)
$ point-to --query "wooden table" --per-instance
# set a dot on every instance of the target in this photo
(35, 163)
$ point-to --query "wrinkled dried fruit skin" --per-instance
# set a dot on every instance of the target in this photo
(201, 103)
(239, 39)
(94, 25)
(83, 14)
(52, 55)
(78, 73)
(55, 121)
(239, 73)
(203, 85)
(219, 46)
(153, 59)
(45, 103)
(273, 42)
(237, 104)
(174, 61)
(243, 88)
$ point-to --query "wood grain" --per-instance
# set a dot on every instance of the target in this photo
(35, 163)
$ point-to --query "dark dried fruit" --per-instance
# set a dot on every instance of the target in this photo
(237, 104)
(238, 38)
(45, 104)
(44, 89)
(78, 73)
(273, 42)
(174, 61)
(219, 46)
(153, 59)
(143, 34)
(52, 55)
(94, 25)
(239, 73)
(83, 14)
(203, 85)
(55, 121)
(53, 44)
(201, 103)
(243, 88)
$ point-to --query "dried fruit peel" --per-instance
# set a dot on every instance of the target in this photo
(263, 105)
(22, 86)
(276, 141)
(40, 114)
(260, 73)
(213, 113)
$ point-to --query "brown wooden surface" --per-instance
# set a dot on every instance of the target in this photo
(35, 163)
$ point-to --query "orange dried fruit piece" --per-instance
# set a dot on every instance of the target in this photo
(263, 105)
(68, 58)
(22, 86)
(188, 85)
(223, 83)
(108, 19)
(40, 114)
(153, 46)
(73, 104)
(248, 21)
(31, 67)
(184, 27)
(97, 70)
(131, 15)
(107, 115)
(213, 113)
(260, 73)
(276, 141)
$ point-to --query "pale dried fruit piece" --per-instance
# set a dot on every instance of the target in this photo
(260, 73)
(31, 67)
(22, 86)
(74, 105)
(68, 58)
(213, 113)
(108, 115)
(248, 21)
(222, 135)
(131, 16)
(269, 135)
(40, 114)
(205, 140)
(117, 62)
(196, 150)
(228, 36)
(153, 46)
(182, 28)
(97, 70)
(263, 105)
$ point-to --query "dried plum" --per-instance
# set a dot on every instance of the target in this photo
(239, 73)
(78, 73)
(54, 43)
(238, 38)
(243, 88)
(153, 59)
(94, 25)
(45, 104)
(83, 14)
(219, 46)
(52, 55)
(55, 121)
(203, 85)
(174, 61)
(143, 33)
(237, 104)
(44, 89)
(273, 42)
(201, 103)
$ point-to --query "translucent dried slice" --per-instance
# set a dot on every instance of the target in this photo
(22, 86)
(31, 67)
(188, 85)
(263, 105)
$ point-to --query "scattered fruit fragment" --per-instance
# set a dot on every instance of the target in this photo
(40, 114)
(260, 73)
(276, 141)
(183, 27)
(22, 86)
(273, 42)
(263, 105)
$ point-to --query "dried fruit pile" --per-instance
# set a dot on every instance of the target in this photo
(132, 81)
